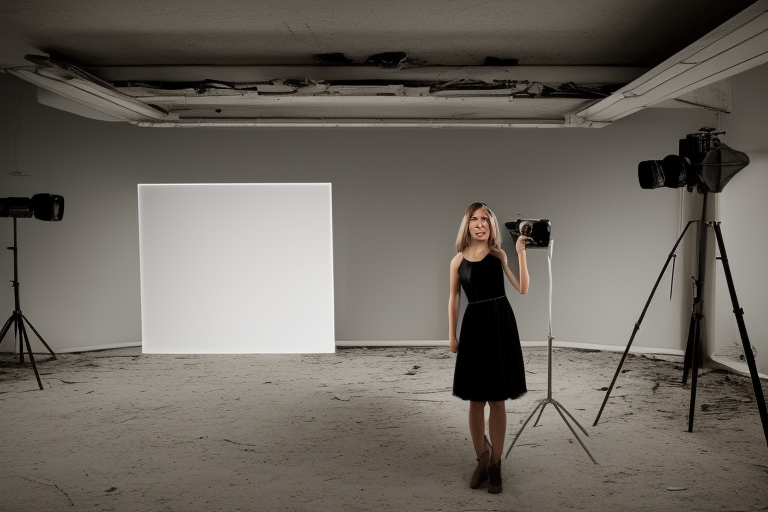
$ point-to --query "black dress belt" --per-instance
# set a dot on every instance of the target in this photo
(488, 300)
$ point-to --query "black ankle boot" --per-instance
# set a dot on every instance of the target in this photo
(481, 471)
(494, 477)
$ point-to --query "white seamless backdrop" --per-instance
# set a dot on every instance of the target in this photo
(221, 272)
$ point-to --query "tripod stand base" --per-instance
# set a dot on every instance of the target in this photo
(693, 345)
(17, 319)
(540, 406)
(549, 400)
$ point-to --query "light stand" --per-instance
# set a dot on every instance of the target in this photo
(693, 347)
(542, 403)
(640, 320)
(17, 319)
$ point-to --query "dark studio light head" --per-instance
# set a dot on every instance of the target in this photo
(703, 162)
(46, 207)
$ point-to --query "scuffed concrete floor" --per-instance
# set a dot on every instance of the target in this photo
(366, 429)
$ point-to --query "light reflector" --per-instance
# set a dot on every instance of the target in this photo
(236, 268)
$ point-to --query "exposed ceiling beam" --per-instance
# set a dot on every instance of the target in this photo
(414, 73)
(496, 96)
(78, 86)
(739, 44)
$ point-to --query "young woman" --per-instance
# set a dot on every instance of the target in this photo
(489, 361)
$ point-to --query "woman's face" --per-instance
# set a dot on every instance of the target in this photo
(480, 225)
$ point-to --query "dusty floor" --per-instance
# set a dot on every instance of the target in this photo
(366, 429)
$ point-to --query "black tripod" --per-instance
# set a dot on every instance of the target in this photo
(17, 319)
(693, 346)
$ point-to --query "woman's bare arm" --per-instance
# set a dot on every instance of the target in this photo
(453, 303)
(522, 284)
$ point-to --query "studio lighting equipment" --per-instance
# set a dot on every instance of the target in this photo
(184, 277)
(539, 233)
(706, 164)
(46, 207)
(703, 162)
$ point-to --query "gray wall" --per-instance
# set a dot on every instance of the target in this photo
(743, 212)
(398, 197)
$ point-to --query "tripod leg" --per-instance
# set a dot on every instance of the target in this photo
(5, 328)
(560, 406)
(618, 370)
(756, 386)
(17, 334)
(557, 408)
(688, 359)
(698, 290)
(540, 404)
(544, 404)
(38, 335)
(696, 354)
(640, 320)
(23, 336)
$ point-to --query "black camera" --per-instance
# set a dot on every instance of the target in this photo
(537, 230)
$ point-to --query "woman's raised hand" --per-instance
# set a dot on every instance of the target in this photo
(521, 243)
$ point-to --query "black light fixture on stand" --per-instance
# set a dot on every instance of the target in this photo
(706, 164)
(539, 233)
(43, 207)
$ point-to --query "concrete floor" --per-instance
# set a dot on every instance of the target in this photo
(366, 429)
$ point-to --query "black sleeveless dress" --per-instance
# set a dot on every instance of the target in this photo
(489, 363)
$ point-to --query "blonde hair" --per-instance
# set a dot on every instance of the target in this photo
(463, 238)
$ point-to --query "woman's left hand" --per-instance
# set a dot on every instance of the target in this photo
(521, 243)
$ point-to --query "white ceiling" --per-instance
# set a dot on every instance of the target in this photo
(238, 62)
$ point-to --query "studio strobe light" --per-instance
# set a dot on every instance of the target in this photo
(705, 164)
(42, 206)
(46, 207)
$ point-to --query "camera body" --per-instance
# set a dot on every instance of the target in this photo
(538, 230)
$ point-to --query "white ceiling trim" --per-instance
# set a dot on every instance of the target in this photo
(736, 46)
(88, 91)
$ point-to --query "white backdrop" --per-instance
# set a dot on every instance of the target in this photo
(236, 268)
